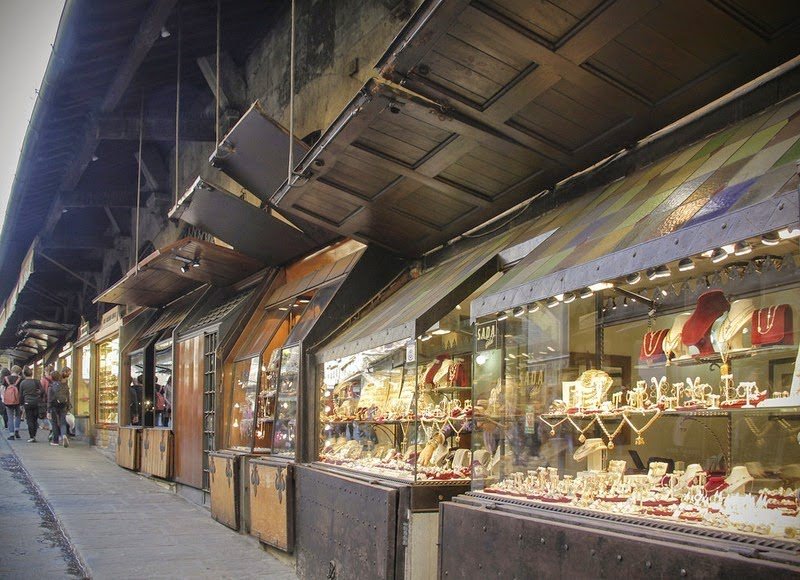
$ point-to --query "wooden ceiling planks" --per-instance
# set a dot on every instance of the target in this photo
(159, 279)
(483, 103)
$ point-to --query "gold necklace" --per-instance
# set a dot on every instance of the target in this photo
(788, 426)
(759, 433)
(771, 310)
(639, 432)
(552, 425)
(616, 432)
(582, 436)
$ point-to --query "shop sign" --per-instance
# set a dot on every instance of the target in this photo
(411, 352)
(486, 336)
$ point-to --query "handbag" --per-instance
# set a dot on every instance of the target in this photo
(653, 345)
(772, 325)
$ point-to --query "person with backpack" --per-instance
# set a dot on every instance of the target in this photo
(58, 403)
(31, 397)
(11, 400)
(4, 372)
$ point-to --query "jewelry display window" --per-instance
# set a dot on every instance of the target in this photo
(133, 411)
(672, 393)
(161, 403)
(82, 380)
(403, 410)
(107, 404)
(261, 405)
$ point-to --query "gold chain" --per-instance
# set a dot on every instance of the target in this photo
(583, 431)
(616, 432)
(552, 425)
(771, 311)
(639, 432)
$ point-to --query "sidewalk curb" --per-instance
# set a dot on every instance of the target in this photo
(85, 569)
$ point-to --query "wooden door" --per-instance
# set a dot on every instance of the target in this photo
(188, 411)
(271, 502)
(224, 471)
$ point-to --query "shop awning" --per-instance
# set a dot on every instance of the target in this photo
(255, 152)
(734, 185)
(249, 229)
(489, 103)
(172, 314)
(215, 309)
(36, 337)
(160, 278)
(421, 302)
(276, 305)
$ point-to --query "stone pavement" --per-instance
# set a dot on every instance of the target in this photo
(123, 525)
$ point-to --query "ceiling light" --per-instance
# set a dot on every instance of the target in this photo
(586, 292)
(512, 355)
(480, 360)
(658, 272)
(551, 302)
(440, 332)
(569, 297)
(742, 249)
(625, 302)
(789, 233)
(95, 158)
(304, 300)
(559, 297)
(185, 268)
(613, 304)
(534, 307)
(685, 265)
(502, 316)
(196, 263)
(165, 33)
(663, 292)
(718, 255)
(425, 337)
(771, 239)
(633, 278)
(283, 308)
(519, 311)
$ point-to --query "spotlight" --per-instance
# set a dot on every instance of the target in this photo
(196, 263)
(664, 292)
(601, 286)
(95, 158)
(586, 293)
(742, 249)
(685, 265)
(633, 278)
(613, 304)
(625, 302)
(165, 33)
(502, 316)
(718, 255)
(569, 297)
(771, 239)
(658, 272)
(551, 302)
(185, 268)
(789, 233)
(534, 307)
(425, 337)
(519, 311)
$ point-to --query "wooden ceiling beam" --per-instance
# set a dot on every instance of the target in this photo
(116, 128)
(103, 198)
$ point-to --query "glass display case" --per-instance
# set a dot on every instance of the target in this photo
(134, 410)
(403, 410)
(669, 394)
(107, 411)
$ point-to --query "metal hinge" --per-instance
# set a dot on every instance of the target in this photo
(405, 533)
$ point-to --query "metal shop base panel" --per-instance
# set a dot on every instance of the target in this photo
(476, 542)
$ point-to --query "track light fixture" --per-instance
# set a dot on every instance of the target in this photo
(685, 265)
(633, 278)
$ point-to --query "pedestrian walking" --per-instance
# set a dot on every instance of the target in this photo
(31, 397)
(4, 372)
(12, 401)
(45, 380)
(66, 375)
(58, 405)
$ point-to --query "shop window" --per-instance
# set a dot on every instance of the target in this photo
(82, 380)
(209, 399)
(665, 394)
(161, 403)
(133, 410)
(403, 410)
(107, 382)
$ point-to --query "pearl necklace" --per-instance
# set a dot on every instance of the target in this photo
(651, 342)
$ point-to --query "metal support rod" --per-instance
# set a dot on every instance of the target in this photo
(217, 82)
(138, 185)
(291, 99)
(178, 106)
(67, 270)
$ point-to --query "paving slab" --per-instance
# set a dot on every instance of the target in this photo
(122, 525)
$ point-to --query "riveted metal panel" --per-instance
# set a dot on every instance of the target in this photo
(345, 527)
(497, 543)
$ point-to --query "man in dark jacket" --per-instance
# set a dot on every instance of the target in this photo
(31, 397)
(57, 404)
